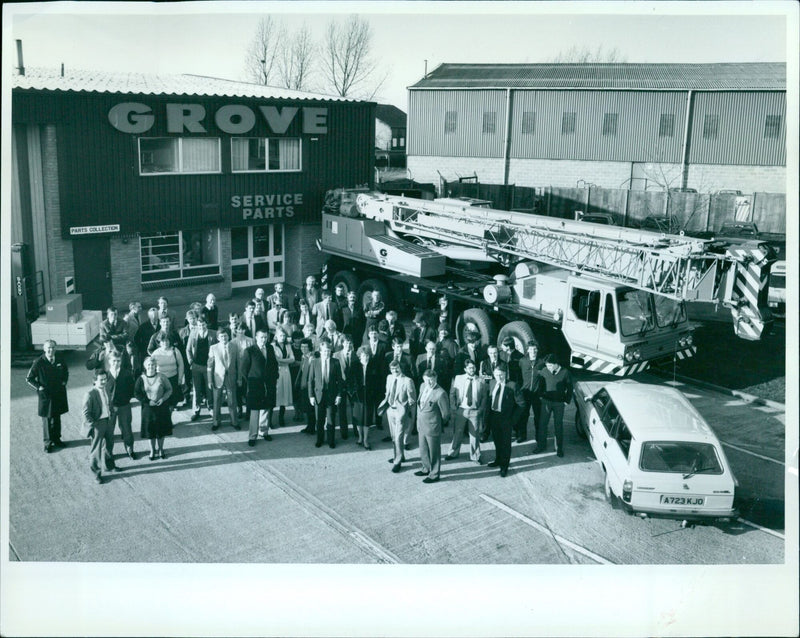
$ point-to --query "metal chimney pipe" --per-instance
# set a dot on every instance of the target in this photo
(426, 66)
(62, 69)
(21, 67)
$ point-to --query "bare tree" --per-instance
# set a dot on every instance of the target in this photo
(297, 60)
(347, 59)
(584, 55)
(262, 54)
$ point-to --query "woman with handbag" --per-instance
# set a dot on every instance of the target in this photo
(169, 362)
(153, 390)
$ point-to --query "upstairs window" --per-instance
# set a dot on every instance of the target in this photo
(489, 122)
(610, 124)
(710, 127)
(178, 155)
(450, 122)
(528, 122)
(260, 154)
(772, 127)
(568, 123)
(666, 125)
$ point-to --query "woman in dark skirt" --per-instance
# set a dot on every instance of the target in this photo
(153, 390)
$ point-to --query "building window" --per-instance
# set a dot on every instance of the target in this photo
(171, 155)
(528, 122)
(179, 255)
(568, 123)
(610, 124)
(666, 125)
(450, 121)
(402, 142)
(489, 122)
(260, 154)
(710, 127)
(772, 127)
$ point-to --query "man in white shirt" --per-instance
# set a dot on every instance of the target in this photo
(96, 413)
(467, 403)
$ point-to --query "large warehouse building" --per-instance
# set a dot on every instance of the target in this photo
(707, 127)
(129, 186)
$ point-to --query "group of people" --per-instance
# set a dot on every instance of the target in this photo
(337, 363)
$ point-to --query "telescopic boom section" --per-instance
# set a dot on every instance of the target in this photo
(678, 267)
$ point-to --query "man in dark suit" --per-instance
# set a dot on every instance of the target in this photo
(433, 410)
(252, 321)
(324, 311)
(472, 349)
(377, 348)
(446, 343)
(48, 376)
(530, 366)
(260, 369)
(114, 329)
(511, 356)
(325, 389)
(350, 366)
(430, 360)
(353, 319)
(505, 402)
(403, 358)
(120, 386)
(301, 385)
(420, 335)
(96, 414)
(145, 331)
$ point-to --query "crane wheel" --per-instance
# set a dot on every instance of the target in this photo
(520, 331)
(478, 320)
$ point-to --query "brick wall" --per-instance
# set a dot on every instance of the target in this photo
(748, 179)
(302, 256)
(126, 277)
(59, 251)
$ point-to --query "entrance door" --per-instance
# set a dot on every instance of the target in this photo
(92, 258)
(256, 255)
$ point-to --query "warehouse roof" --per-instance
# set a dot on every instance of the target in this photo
(728, 76)
(391, 115)
(81, 80)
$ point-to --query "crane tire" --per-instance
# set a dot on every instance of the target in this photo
(480, 320)
(348, 278)
(520, 331)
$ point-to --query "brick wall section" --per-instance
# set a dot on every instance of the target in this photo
(302, 256)
(59, 251)
(569, 173)
(126, 277)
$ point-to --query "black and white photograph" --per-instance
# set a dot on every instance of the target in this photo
(399, 318)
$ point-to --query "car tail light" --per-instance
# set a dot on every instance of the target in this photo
(627, 490)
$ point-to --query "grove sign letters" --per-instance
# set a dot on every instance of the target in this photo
(235, 119)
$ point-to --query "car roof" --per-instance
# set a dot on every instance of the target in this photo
(656, 411)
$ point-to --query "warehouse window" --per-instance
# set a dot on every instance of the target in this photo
(260, 154)
(528, 122)
(489, 121)
(710, 127)
(568, 123)
(772, 127)
(450, 121)
(179, 255)
(666, 125)
(610, 124)
(171, 155)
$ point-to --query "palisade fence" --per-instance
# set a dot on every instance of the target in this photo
(698, 212)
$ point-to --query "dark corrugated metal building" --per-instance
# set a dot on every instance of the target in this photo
(702, 125)
(139, 185)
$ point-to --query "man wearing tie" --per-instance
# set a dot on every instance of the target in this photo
(467, 403)
(48, 376)
(223, 366)
(431, 360)
(324, 311)
(433, 410)
(350, 366)
(400, 398)
(260, 369)
(252, 322)
(301, 385)
(119, 387)
(529, 367)
(505, 403)
(325, 389)
(275, 315)
(96, 413)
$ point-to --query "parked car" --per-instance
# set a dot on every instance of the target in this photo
(667, 224)
(598, 218)
(659, 455)
(738, 230)
(776, 296)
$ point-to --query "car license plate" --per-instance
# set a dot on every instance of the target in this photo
(682, 500)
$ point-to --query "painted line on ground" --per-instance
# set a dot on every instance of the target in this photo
(766, 530)
(529, 521)
(743, 451)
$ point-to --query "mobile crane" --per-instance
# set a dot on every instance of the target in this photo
(609, 299)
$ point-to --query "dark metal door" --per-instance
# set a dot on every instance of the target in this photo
(93, 271)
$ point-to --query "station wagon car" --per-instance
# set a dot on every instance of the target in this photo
(659, 455)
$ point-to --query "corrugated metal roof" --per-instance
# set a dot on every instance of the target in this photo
(82, 80)
(391, 115)
(727, 76)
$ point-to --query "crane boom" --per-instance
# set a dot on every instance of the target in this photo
(681, 268)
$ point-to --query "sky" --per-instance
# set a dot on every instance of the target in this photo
(211, 38)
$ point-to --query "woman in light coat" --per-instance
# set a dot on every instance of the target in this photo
(285, 357)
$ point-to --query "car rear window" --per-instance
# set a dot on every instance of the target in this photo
(777, 281)
(686, 457)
